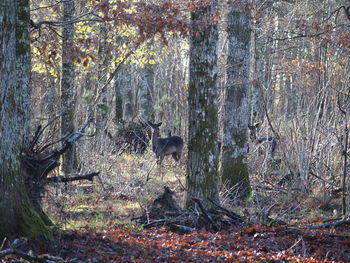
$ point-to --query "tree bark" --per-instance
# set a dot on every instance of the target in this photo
(202, 180)
(102, 109)
(146, 83)
(125, 84)
(17, 214)
(234, 169)
(69, 159)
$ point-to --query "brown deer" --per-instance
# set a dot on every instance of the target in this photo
(262, 140)
(162, 147)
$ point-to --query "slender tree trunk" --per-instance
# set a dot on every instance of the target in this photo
(255, 97)
(234, 169)
(146, 83)
(69, 159)
(124, 83)
(17, 216)
(202, 179)
(118, 102)
(101, 111)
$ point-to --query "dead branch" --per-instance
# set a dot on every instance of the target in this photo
(205, 213)
(227, 212)
(30, 257)
(328, 225)
(61, 179)
(69, 142)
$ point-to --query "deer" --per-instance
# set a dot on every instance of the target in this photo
(262, 140)
(162, 147)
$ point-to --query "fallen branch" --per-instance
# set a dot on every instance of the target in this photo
(30, 257)
(62, 179)
(328, 225)
(227, 212)
(206, 215)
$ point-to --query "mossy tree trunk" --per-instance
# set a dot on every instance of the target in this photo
(234, 170)
(17, 217)
(69, 159)
(202, 179)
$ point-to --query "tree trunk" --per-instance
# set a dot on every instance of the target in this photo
(255, 94)
(146, 83)
(234, 169)
(69, 159)
(118, 102)
(102, 109)
(125, 85)
(202, 180)
(17, 214)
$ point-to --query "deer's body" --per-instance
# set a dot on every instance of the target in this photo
(265, 139)
(162, 147)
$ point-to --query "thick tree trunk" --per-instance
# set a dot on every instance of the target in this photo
(69, 159)
(17, 215)
(234, 169)
(202, 180)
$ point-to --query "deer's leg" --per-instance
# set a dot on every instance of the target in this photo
(175, 156)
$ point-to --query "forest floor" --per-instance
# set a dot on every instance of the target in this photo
(95, 223)
(253, 244)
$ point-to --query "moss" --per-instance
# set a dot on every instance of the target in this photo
(235, 174)
(22, 28)
(33, 225)
(45, 218)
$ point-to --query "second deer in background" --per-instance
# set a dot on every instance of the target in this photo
(262, 140)
(171, 145)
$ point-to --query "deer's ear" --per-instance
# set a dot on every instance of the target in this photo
(159, 124)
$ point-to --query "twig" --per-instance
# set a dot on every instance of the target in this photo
(70, 141)
(35, 138)
(41, 130)
(111, 76)
(295, 244)
(57, 141)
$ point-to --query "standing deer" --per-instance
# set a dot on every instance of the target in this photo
(262, 140)
(171, 145)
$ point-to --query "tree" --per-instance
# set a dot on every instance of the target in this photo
(17, 213)
(69, 159)
(202, 179)
(234, 169)
(125, 84)
(145, 87)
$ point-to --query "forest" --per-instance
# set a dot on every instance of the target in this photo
(174, 131)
